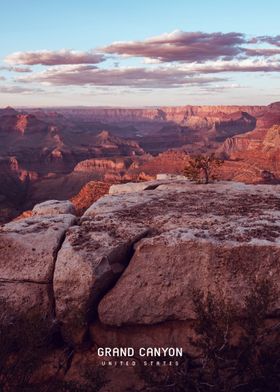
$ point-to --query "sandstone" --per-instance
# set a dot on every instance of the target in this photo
(219, 238)
(28, 253)
(252, 155)
(21, 299)
(89, 193)
(89, 262)
(129, 271)
(116, 202)
(164, 176)
(159, 282)
(28, 247)
(54, 207)
(162, 179)
(132, 187)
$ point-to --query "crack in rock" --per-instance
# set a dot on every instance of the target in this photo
(90, 261)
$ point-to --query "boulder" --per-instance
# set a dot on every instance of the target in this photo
(136, 260)
(218, 238)
(28, 247)
(21, 299)
(54, 207)
(28, 251)
(159, 283)
(89, 262)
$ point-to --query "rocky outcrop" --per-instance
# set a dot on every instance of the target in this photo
(28, 251)
(54, 207)
(21, 124)
(133, 187)
(251, 155)
(89, 194)
(129, 268)
(90, 260)
(103, 165)
(196, 246)
(266, 141)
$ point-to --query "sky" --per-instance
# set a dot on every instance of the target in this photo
(139, 53)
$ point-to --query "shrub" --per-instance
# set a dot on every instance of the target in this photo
(202, 168)
(251, 364)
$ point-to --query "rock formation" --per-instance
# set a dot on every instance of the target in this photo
(253, 157)
(125, 273)
(89, 193)
(58, 150)
(28, 251)
(159, 240)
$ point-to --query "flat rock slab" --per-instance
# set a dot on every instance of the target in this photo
(110, 204)
(131, 187)
(54, 207)
(90, 261)
(221, 238)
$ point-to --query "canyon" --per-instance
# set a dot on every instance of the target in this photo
(104, 242)
(52, 153)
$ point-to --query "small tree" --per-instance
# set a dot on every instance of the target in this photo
(201, 168)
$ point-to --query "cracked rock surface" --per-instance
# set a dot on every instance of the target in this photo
(28, 251)
(91, 259)
(220, 238)
(135, 257)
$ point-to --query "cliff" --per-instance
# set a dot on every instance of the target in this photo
(59, 150)
(176, 114)
(253, 157)
(123, 274)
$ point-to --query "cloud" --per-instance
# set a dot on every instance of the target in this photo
(133, 77)
(217, 89)
(262, 52)
(195, 74)
(247, 65)
(19, 90)
(183, 46)
(268, 39)
(16, 69)
(47, 57)
(20, 69)
(170, 60)
(196, 47)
